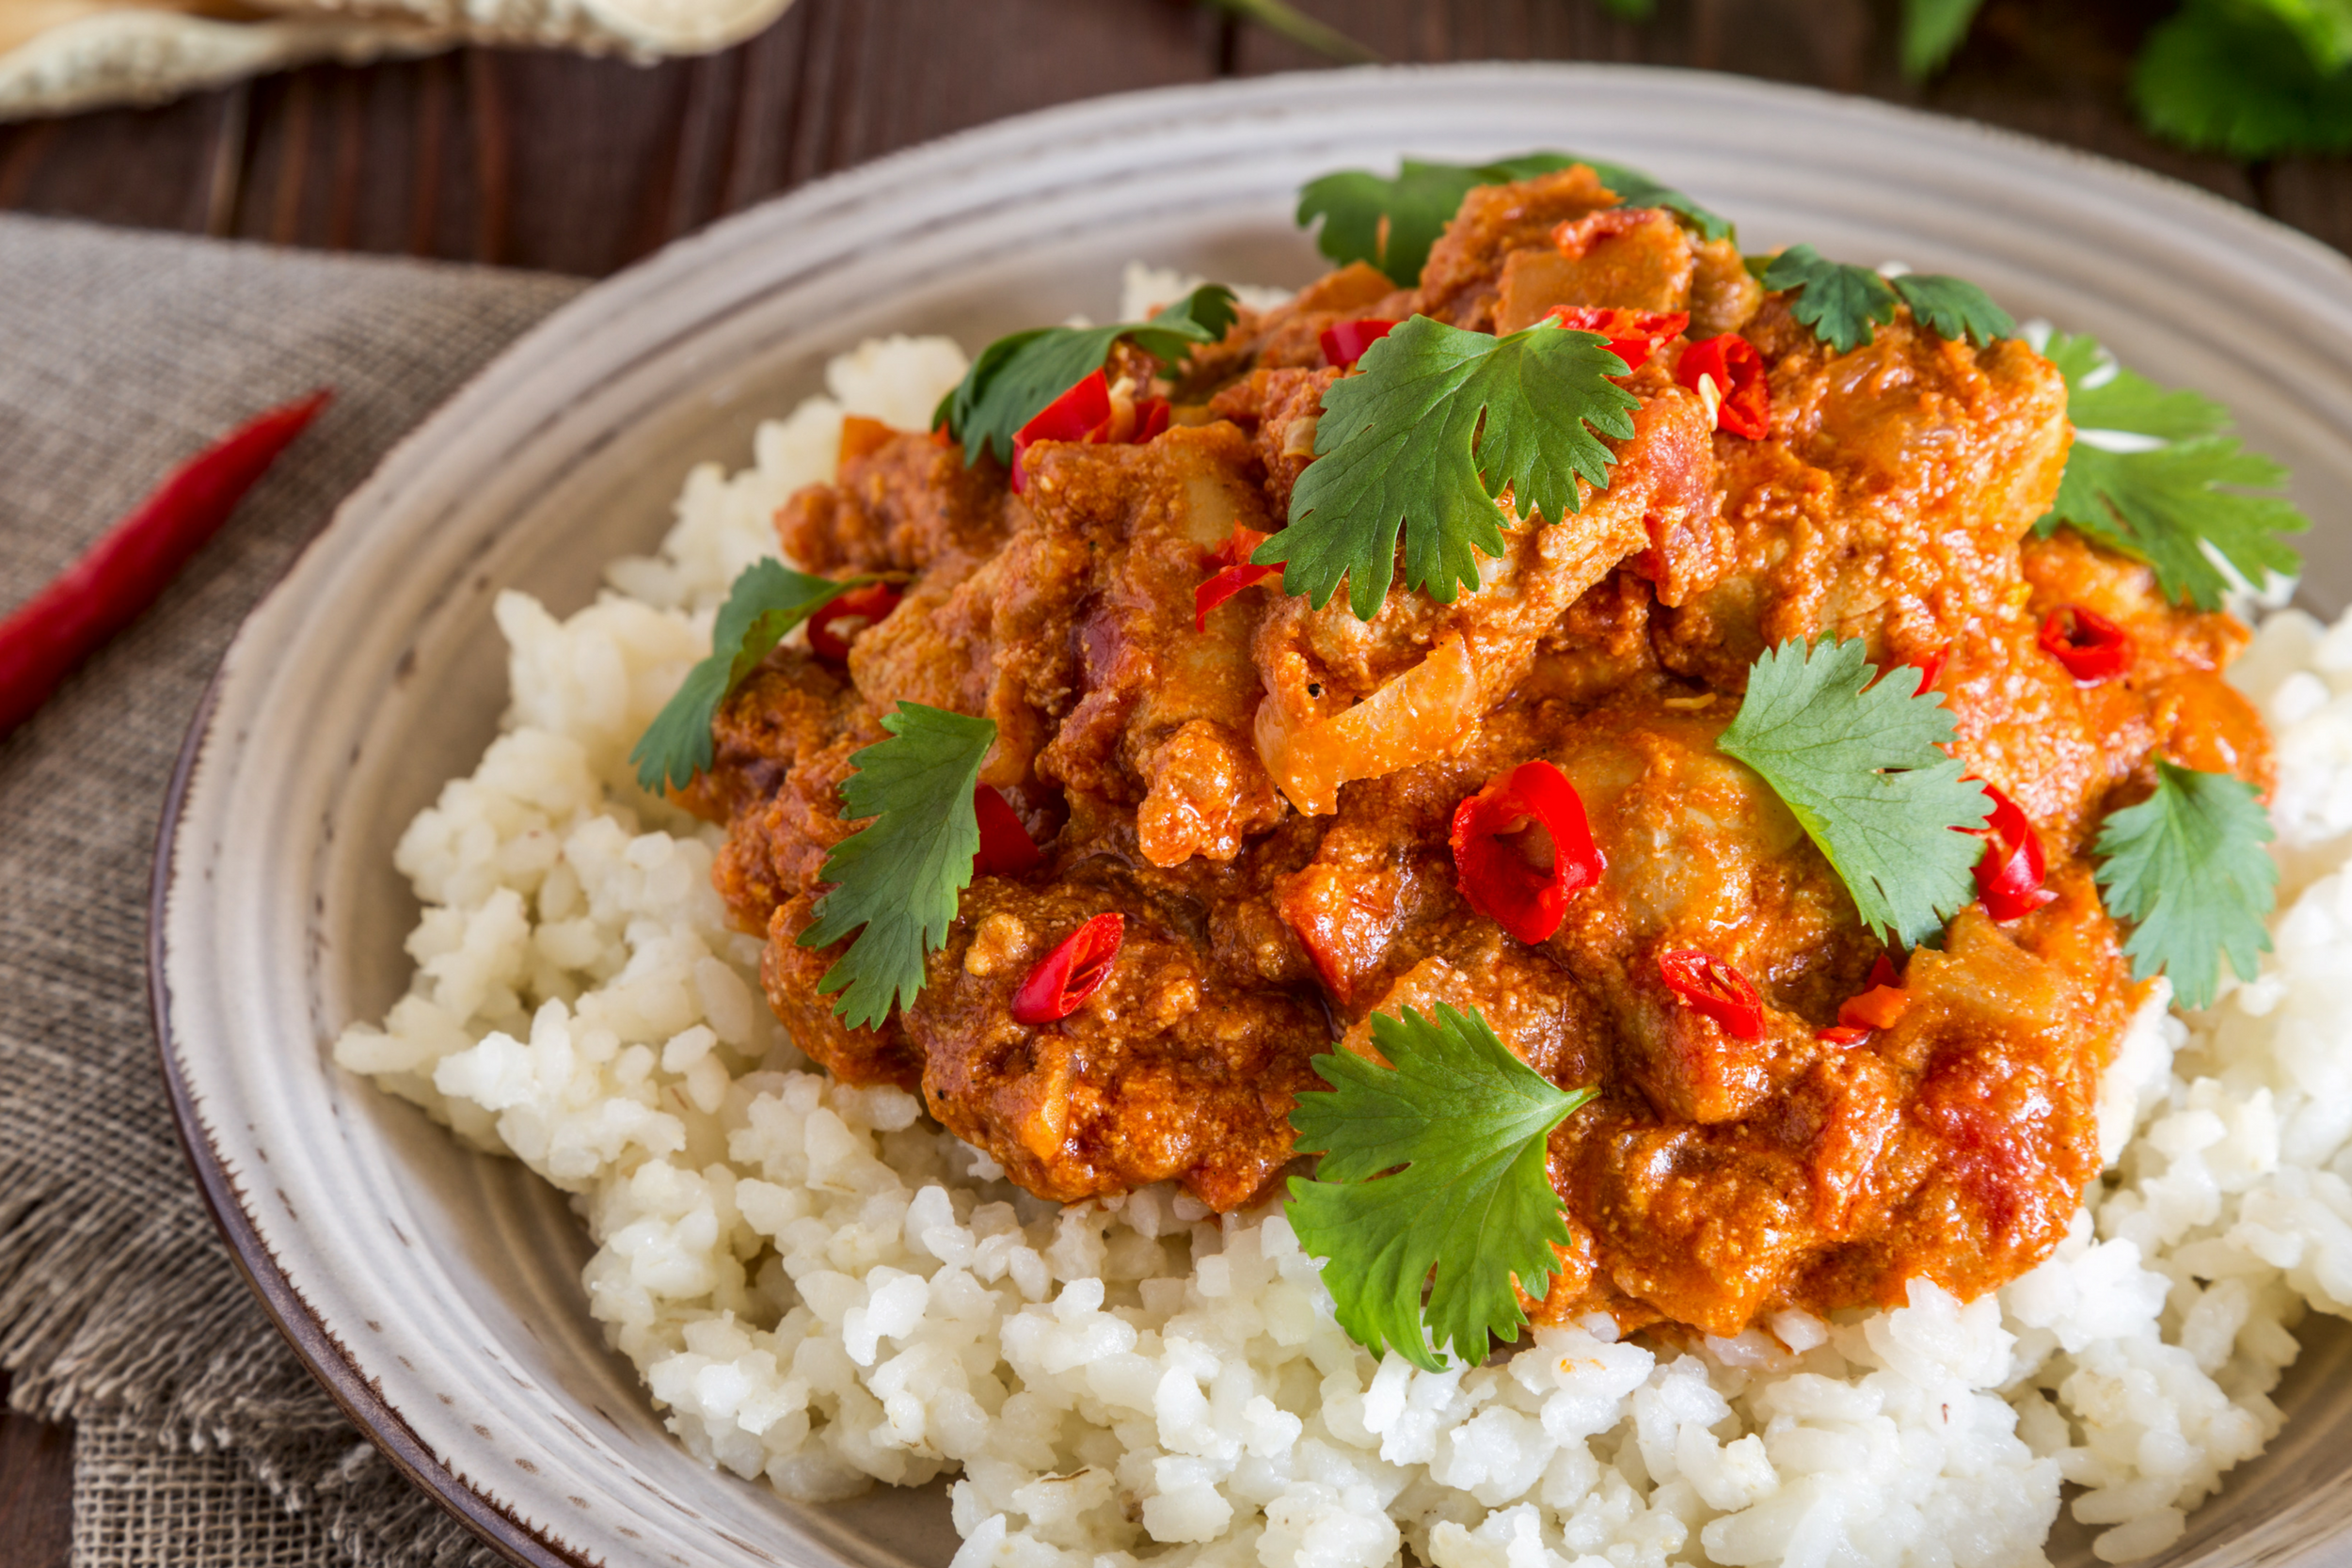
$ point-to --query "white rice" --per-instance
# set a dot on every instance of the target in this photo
(822, 1289)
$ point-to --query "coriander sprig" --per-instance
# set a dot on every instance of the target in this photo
(2187, 867)
(1435, 423)
(895, 882)
(768, 600)
(1015, 377)
(1470, 1214)
(1861, 767)
(2177, 490)
(1845, 304)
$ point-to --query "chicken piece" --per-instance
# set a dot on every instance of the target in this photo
(1167, 1073)
(1289, 336)
(1162, 710)
(898, 507)
(1724, 295)
(1279, 409)
(1887, 503)
(1629, 258)
(1317, 664)
(1461, 283)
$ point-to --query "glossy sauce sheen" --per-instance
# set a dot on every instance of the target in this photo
(1714, 1179)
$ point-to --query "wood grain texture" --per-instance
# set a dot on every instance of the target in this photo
(35, 1490)
(582, 165)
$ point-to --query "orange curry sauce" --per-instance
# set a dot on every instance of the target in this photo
(1714, 1179)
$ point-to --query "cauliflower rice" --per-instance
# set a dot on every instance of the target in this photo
(822, 1289)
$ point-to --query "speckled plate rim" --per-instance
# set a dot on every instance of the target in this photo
(2298, 265)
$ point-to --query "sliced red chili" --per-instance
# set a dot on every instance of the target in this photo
(1224, 586)
(832, 628)
(1345, 342)
(1152, 416)
(1842, 1033)
(1633, 335)
(2009, 877)
(1714, 989)
(2092, 648)
(1497, 876)
(1072, 971)
(1006, 848)
(1074, 415)
(1744, 402)
(1930, 668)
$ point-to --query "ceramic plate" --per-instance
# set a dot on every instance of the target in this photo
(437, 1293)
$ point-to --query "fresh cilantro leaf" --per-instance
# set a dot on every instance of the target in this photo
(767, 600)
(1840, 302)
(2187, 867)
(2251, 80)
(899, 875)
(1433, 426)
(1845, 305)
(1468, 1122)
(1015, 377)
(1953, 309)
(1392, 222)
(2166, 504)
(1862, 769)
(1932, 30)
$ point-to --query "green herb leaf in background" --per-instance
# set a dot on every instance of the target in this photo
(1933, 29)
(1472, 1211)
(1436, 422)
(2250, 78)
(2153, 474)
(2187, 867)
(897, 880)
(1863, 770)
(1016, 377)
(767, 600)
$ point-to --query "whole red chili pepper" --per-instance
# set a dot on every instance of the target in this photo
(2092, 648)
(1345, 342)
(1072, 972)
(125, 572)
(1006, 848)
(2009, 877)
(1743, 405)
(1074, 415)
(833, 627)
(1496, 878)
(1714, 988)
(1633, 335)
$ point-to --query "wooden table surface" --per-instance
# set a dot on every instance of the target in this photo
(578, 166)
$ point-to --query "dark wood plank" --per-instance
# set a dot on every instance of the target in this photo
(35, 1490)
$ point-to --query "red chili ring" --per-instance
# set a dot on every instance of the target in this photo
(1006, 848)
(1496, 878)
(1708, 985)
(1072, 972)
(1745, 406)
(1345, 342)
(2092, 648)
(1633, 335)
(861, 606)
(2009, 874)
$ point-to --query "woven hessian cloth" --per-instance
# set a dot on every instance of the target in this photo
(200, 1440)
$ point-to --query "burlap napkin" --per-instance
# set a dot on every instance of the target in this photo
(199, 1441)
